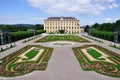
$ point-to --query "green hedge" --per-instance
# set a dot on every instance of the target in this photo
(21, 35)
(40, 31)
(103, 34)
(24, 34)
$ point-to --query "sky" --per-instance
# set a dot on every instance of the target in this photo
(88, 12)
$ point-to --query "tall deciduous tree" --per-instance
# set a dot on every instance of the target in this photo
(87, 28)
(96, 26)
(39, 27)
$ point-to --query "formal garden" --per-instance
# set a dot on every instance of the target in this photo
(73, 38)
(25, 60)
(36, 57)
(99, 59)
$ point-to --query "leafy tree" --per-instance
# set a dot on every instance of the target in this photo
(107, 26)
(96, 26)
(39, 27)
(62, 31)
(118, 23)
(87, 28)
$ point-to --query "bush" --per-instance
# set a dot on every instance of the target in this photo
(11, 46)
(40, 31)
(1, 49)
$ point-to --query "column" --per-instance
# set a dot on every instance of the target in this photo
(89, 32)
(116, 37)
(2, 41)
(9, 37)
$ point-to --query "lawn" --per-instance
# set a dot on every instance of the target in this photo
(62, 38)
(31, 54)
(95, 54)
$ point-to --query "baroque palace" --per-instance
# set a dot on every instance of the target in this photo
(69, 25)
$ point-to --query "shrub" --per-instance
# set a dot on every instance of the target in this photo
(11, 46)
(1, 49)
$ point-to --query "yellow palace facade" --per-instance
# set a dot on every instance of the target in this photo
(70, 25)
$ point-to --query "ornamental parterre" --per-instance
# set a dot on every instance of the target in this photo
(101, 60)
(25, 60)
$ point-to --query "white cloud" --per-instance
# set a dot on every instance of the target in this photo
(102, 1)
(108, 19)
(102, 20)
(112, 6)
(10, 19)
(73, 6)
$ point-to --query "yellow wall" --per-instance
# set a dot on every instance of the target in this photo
(70, 26)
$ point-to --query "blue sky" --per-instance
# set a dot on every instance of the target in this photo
(35, 11)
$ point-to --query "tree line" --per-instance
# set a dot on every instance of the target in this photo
(19, 32)
(105, 26)
(16, 28)
(105, 30)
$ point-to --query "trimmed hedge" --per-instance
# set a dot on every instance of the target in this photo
(40, 31)
(24, 34)
(21, 35)
(103, 34)
(15, 36)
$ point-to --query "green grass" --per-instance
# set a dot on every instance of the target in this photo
(12, 63)
(62, 38)
(31, 54)
(95, 54)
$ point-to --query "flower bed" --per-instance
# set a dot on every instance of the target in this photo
(12, 65)
(100, 66)
(62, 38)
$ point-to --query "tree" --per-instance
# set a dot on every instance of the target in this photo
(38, 27)
(96, 26)
(87, 28)
(106, 26)
(62, 31)
(118, 24)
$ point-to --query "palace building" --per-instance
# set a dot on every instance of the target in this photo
(69, 25)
